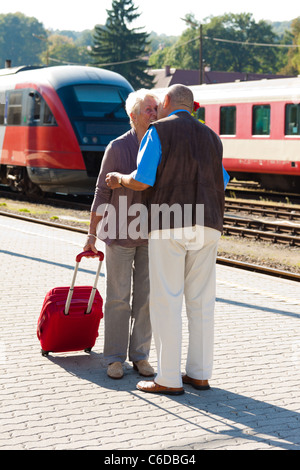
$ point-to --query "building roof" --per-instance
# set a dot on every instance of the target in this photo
(171, 76)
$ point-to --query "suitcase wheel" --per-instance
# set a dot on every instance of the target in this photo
(88, 350)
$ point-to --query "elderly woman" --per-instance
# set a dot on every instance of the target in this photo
(126, 313)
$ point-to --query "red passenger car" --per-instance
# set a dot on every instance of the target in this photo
(259, 124)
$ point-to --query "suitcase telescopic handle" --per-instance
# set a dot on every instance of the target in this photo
(85, 254)
(89, 254)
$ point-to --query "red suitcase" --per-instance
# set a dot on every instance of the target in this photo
(70, 316)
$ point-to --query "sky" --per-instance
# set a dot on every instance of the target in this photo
(160, 16)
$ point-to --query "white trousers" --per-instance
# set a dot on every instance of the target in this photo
(183, 265)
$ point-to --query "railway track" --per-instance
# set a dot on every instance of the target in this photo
(277, 211)
(266, 228)
(242, 190)
(223, 261)
(275, 232)
(287, 232)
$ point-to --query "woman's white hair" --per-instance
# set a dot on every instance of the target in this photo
(134, 100)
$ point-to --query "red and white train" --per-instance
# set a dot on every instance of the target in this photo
(55, 124)
(259, 124)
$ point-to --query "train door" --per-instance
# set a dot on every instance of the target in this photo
(13, 146)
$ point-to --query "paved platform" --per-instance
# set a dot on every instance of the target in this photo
(67, 402)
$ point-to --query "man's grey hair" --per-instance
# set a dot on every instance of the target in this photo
(181, 95)
(134, 100)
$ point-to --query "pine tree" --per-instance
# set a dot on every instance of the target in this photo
(120, 49)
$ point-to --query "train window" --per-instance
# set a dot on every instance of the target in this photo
(200, 114)
(96, 101)
(228, 120)
(14, 112)
(261, 120)
(48, 116)
(292, 119)
(37, 107)
(2, 107)
(2, 113)
(38, 111)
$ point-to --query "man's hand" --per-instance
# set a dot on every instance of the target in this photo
(128, 181)
(112, 180)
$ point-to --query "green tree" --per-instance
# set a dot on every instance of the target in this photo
(63, 50)
(159, 59)
(225, 45)
(121, 48)
(18, 39)
(292, 66)
(236, 54)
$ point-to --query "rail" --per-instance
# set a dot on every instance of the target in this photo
(223, 261)
(262, 230)
(262, 208)
(246, 192)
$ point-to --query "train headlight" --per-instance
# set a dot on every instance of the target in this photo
(85, 140)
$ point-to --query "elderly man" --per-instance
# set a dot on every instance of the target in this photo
(180, 162)
(126, 314)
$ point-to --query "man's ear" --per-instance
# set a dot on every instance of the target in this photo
(166, 101)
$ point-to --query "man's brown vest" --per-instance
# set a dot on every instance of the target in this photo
(190, 173)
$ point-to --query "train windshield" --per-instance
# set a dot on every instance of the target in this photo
(97, 112)
(101, 101)
(94, 101)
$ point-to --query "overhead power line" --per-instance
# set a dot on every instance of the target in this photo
(123, 62)
(99, 65)
(62, 61)
(246, 43)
